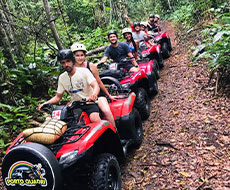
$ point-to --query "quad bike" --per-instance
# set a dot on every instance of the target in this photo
(164, 40)
(86, 151)
(143, 83)
(151, 56)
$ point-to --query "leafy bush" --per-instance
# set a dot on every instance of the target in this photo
(184, 14)
(216, 44)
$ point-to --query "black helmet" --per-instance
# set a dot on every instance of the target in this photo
(112, 32)
(65, 54)
(137, 24)
(151, 16)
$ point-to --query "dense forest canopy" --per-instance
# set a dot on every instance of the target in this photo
(32, 32)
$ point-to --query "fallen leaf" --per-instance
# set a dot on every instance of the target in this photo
(184, 173)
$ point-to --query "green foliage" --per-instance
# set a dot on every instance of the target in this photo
(79, 14)
(216, 44)
(97, 37)
(3, 138)
(13, 117)
(184, 14)
(140, 10)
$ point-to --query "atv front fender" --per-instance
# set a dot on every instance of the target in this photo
(88, 139)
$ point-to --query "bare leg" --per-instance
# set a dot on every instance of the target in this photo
(94, 117)
(104, 106)
(134, 69)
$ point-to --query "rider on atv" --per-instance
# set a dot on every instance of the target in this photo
(151, 24)
(78, 82)
(79, 51)
(118, 51)
(156, 19)
(133, 44)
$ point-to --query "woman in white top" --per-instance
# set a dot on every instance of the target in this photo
(79, 51)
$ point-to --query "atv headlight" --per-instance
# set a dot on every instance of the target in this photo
(126, 85)
(68, 159)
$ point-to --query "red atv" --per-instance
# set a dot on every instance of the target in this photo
(143, 83)
(151, 53)
(89, 152)
(151, 56)
(164, 40)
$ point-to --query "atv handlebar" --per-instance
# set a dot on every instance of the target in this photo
(78, 103)
(101, 65)
(47, 108)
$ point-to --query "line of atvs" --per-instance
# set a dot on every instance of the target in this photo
(69, 152)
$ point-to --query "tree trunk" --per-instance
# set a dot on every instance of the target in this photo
(97, 50)
(63, 18)
(52, 26)
(11, 31)
(111, 12)
(5, 44)
(169, 4)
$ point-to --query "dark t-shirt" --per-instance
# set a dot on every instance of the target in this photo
(154, 28)
(117, 53)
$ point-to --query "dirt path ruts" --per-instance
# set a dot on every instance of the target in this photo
(186, 143)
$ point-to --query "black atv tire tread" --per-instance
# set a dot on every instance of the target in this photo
(156, 69)
(154, 91)
(98, 180)
(142, 103)
(139, 129)
(169, 44)
(165, 50)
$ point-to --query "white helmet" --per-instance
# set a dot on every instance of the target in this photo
(126, 30)
(78, 47)
(158, 16)
(144, 23)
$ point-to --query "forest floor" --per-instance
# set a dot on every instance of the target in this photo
(187, 136)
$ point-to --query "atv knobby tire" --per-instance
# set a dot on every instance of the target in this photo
(154, 87)
(156, 69)
(169, 44)
(31, 166)
(106, 173)
(142, 103)
(165, 50)
(138, 137)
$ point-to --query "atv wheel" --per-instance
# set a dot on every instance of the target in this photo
(165, 50)
(137, 139)
(154, 88)
(142, 103)
(31, 166)
(106, 173)
(156, 69)
(160, 60)
(169, 44)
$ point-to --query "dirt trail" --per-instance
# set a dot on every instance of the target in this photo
(186, 143)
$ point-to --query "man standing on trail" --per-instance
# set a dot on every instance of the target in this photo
(78, 82)
(118, 51)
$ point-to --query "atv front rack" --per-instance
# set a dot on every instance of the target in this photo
(75, 130)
